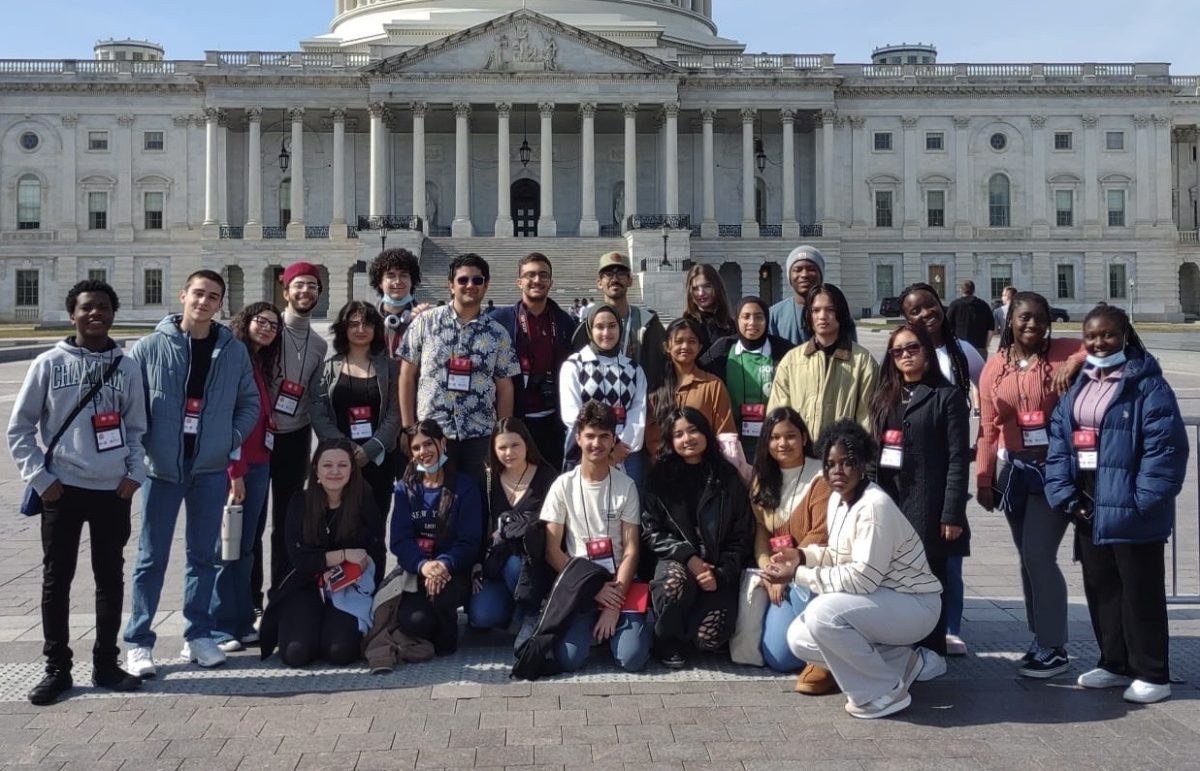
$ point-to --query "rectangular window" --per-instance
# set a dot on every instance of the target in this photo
(1066, 282)
(883, 208)
(154, 211)
(153, 140)
(935, 141)
(1114, 140)
(1001, 276)
(1064, 208)
(883, 141)
(885, 281)
(97, 274)
(152, 286)
(97, 211)
(1116, 281)
(1116, 208)
(98, 141)
(1062, 140)
(27, 288)
(935, 208)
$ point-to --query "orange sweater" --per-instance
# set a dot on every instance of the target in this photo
(702, 392)
(806, 524)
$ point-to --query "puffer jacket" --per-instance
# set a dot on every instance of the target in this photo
(1143, 455)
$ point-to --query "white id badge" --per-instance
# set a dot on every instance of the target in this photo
(1033, 429)
(459, 376)
(360, 424)
(892, 454)
(288, 401)
(107, 426)
(191, 416)
(1087, 452)
(600, 552)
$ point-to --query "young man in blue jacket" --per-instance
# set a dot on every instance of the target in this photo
(541, 332)
(202, 402)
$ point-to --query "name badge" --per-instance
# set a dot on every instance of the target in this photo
(107, 426)
(753, 416)
(269, 436)
(426, 546)
(191, 416)
(360, 423)
(1033, 429)
(1087, 449)
(892, 454)
(781, 542)
(600, 552)
(459, 376)
(288, 401)
(619, 414)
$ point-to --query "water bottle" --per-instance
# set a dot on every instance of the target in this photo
(231, 532)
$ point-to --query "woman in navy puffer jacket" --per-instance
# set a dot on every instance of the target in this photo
(1117, 461)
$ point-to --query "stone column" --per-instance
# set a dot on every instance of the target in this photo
(211, 115)
(791, 228)
(962, 177)
(589, 227)
(1196, 216)
(749, 223)
(1091, 178)
(860, 207)
(461, 227)
(68, 227)
(631, 196)
(504, 221)
(123, 203)
(337, 223)
(1144, 153)
(1162, 177)
(418, 162)
(223, 169)
(377, 201)
(828, 215)
(709, 227)
(912, 190)
(295, 228)
(1039, 219)
(671, 109)
(254, 216)
(547, 227)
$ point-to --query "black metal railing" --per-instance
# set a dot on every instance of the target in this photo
(351, 231)
(811, 231)
(659, 221)
(610, 231)
(232, 231)
(770, 231)
(391, 222)
(729, 231)
(272, 232)
(316, 231)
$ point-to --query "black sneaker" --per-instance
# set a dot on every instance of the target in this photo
(673, 660)
(116, 679)
(54, 684)
(1048, 663)
(1031, 653)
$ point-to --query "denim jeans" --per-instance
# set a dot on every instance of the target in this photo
(492, 607)
(630, 644)
(775, 651)
(232, 606)
(204, 496)
(952, 595)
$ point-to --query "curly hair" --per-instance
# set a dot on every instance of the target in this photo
(92, 285)
(267, 357)
(370, 314)
(854, 441)
(394, 259)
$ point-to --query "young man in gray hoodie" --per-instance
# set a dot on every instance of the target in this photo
(94, 471)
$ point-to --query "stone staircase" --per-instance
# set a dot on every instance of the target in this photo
(574, 259)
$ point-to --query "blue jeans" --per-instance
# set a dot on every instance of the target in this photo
(775, 651)
(492, 607)
(953, 595)
(630, 644)
(635, 468)
(232, 608)
(204, 495)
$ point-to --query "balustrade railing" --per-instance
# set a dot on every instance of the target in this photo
(770, 231)
(1189, 236)
(659, 221)
(814, 230)
(729, 231)
(273, 232)
(234, 232)
(391, 222)
(316, 231)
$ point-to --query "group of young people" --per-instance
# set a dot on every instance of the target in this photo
(746, 478)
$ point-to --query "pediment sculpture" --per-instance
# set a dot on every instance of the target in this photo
(520, 54)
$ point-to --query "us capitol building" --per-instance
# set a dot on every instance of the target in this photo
(574, 127)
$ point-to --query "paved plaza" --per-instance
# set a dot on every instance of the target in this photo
(463, 711)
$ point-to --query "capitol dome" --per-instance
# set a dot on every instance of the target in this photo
(397, 25)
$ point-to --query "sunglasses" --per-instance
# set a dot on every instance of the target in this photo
(901, 351)
(471, 280)
(262, 321)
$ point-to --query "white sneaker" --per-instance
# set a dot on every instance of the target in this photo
(911, 669)
(231, 646)
(139, 662)
(1141, 692)
(933, 665)
(1102, 678)
(888, 704)
(955, 646)
(204, 651)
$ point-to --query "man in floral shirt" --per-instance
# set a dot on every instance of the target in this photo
(456, 368)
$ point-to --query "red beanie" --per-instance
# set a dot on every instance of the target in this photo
(301, 269)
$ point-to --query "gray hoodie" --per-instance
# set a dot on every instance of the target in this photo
(54, 384)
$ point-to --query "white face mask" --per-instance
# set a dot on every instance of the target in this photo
(1107, 362)
(398, 302)
(441, 461)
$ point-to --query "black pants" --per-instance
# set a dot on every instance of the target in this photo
(685, 614)
(289, 470)
(311, 630)
(936, 640)
(470, 457)
(107, 517)
(382, 479)
(434, 618)
(1125, 585)
(550, 436)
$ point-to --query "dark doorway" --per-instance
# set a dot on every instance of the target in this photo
(526, 207)
(770, 282)
(1189, 288)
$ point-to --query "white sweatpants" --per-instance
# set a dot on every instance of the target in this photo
(863, 639)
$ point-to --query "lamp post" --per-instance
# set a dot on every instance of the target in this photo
(383, 234)
(285, 158)
(1132, 298)
(666, 262)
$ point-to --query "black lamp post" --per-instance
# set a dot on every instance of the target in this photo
(383, 234)
(666, 234)
(285, 158)
(525, 152)
(760, 154)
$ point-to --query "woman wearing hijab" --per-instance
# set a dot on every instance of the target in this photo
(603, 373)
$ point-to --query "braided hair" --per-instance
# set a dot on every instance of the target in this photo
(958, 360)
(1119, 317)
(1007, 337)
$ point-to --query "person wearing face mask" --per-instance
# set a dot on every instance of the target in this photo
(395, 274)
(602, 372)
(746, 363)
(708, 305)
(437, 534)
(1117, 460)
(805, 268)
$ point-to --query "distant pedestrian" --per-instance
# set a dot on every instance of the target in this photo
(971, 319)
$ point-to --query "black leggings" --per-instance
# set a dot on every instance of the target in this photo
(310, 630)
(434, 618)
(686, 614)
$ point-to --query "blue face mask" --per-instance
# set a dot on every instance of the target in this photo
(398, 302)
(441, 461)
(1107, 362)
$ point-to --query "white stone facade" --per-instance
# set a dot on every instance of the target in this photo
(1076, 180)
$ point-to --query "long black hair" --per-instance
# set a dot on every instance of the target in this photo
(412, 475)
(766, 489)
(316, 502)
(958, 359)
(841, 309)
(1119, 317)
(267, 357)
(533, 456)
(669, 461)
(370, 315)
(889, 391)
(1007, 337)
(664, 397)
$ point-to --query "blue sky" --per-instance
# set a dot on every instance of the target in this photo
(964, 31)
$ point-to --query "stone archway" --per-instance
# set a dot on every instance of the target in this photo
(235, 290)
(770, 282)
(322, 309)
(1189, 288)
(731, 277)
(272, 289)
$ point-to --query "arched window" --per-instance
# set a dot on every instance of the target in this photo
(999, 201)
(29, 203)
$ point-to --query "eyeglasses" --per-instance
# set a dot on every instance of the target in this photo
(263, 321)
(472, 280)
(901, 351)
(360, 324)
(304, 286)
(615, 274)
(541, 275)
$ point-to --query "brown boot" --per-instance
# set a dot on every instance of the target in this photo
(816, 681)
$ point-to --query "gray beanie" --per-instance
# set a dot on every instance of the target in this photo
(809, 253)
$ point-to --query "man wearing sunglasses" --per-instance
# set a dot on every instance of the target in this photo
(456, 368)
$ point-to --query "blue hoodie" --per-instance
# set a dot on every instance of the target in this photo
(231, 401)
(1142, 462)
